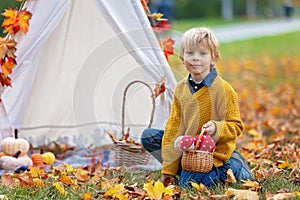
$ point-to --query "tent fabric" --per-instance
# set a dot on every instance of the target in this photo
(73, 67)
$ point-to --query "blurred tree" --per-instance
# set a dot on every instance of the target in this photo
(251, 9)
(197, 9)
(227, 9)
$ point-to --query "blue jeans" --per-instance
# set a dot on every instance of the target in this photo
(151, 140)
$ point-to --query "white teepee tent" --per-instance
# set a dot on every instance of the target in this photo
(73, 67)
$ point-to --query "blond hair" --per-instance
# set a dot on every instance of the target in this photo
(195, 36)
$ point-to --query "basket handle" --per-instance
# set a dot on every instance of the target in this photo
(124, 99)
(200, 136)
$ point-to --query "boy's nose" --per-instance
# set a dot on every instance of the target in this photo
(196, 56)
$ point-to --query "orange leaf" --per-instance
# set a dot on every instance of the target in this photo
(87, 196)
(8, 65)
(145, 4)
(160, 87)
(81, 175)
(167, 46)
(66, 180)
(16, 21)
(7, 180)
(7, 48)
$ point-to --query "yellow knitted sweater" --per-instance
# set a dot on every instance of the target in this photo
(190, 111)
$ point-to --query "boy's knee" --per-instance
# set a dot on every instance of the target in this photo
(146, 137)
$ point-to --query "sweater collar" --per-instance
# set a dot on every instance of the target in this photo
(207, 81)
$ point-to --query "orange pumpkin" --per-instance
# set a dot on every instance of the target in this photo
(37, 159)
(2, 154)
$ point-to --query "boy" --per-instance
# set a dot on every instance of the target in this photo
(205, 101)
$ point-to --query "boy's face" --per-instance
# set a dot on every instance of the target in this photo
(197, 60)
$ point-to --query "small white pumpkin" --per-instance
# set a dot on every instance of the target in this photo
(11, 145)
(12, 162)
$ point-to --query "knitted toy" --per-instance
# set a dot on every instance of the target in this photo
(187, 142)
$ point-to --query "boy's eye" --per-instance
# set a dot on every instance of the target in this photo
(189, 52)
(203, 53)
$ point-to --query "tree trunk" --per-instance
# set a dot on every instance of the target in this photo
(227, 9)
(251, 9)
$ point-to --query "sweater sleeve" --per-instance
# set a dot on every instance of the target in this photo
(229, 126)
(171, 157)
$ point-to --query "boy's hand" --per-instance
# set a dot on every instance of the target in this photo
(209, 128)
(167, 179)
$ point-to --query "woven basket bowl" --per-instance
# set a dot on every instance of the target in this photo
(130, 154)
(197, 161)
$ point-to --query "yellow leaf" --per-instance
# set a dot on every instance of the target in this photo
(36, 172)
(23, 18)
(38, 182)
(114, 190)
(69, 168)
(286, 165)
(157, 190)
(201, 187)
(16, 20)
(60, 188)
(242, 194)
(157, 16)
(248, 184)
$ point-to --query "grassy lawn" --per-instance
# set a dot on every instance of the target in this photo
(185, 24)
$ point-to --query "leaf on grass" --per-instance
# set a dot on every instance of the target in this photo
(199, 197)
(113, 191)
(7, 180)
(66, 179)
(156, 190)
(37, 172)
(279, 196)
(230, 177)
(242, 194)
(248, 184)
(202, 188)
(87, 196)
(82, 175)
(38, 182)
(218, 197)
(286, 165)
(26, 180)
(60, 188)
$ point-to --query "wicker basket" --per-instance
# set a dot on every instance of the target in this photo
(127, 154)
(196, 160)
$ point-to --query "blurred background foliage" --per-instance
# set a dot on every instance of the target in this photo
(218, 8)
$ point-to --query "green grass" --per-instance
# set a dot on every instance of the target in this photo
(185, 24)
(271, 185)
(273, 46)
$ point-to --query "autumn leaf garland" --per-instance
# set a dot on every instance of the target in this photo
(15, 21)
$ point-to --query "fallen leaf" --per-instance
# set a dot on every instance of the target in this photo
(230, 177)
(242, 194)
